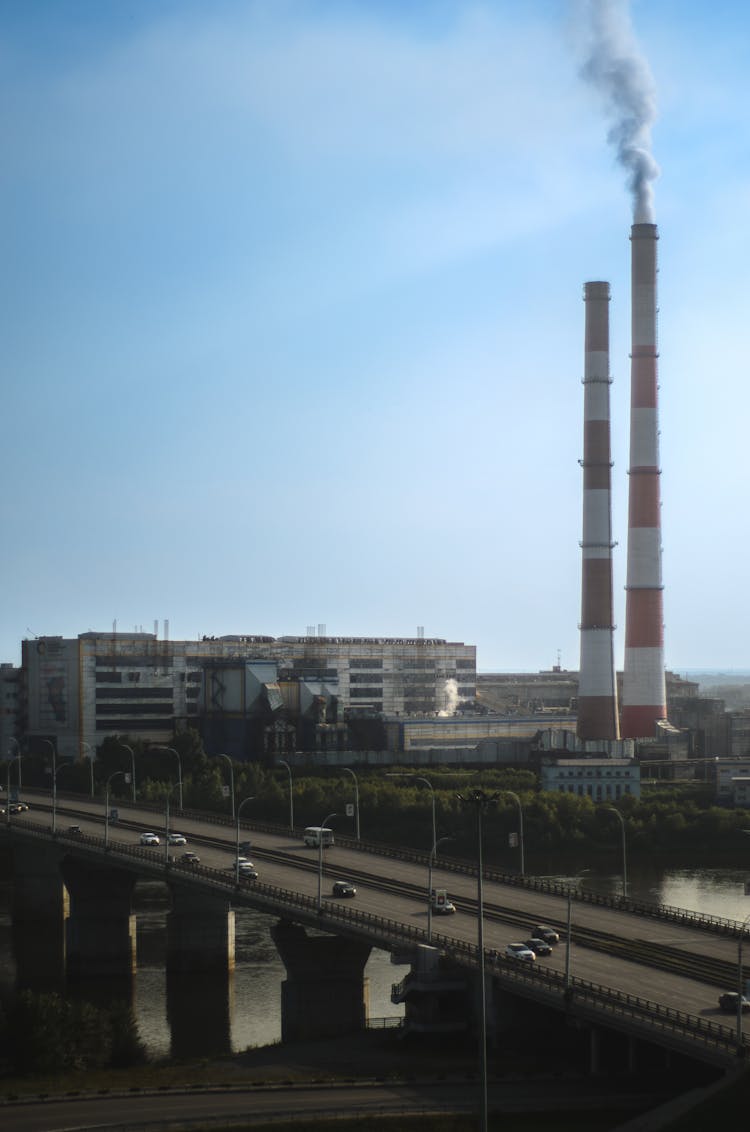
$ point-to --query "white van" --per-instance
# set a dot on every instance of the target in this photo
(315, 835)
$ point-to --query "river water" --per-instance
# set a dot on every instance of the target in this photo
(251, 1015)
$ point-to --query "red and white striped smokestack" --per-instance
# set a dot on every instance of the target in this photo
(643, 689)
(597, 685)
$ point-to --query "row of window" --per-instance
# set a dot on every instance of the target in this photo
(369, 662)
(134, 694)
(598, 792)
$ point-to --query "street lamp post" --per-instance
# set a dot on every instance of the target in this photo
(431, 865)
(231, 779)
(179, 766)
(51, 746)
(168, 795)
(569, 927)
(517, 800)
(17, 756)
(621, 820)
(481, 803)
(14, 759)
(125, 747)
(91, 758)
(356, 799)
(320, 861)
(282, 762)
(116, 774)
(237, 854)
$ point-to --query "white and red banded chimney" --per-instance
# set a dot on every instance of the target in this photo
(597, 684)
(643, 688)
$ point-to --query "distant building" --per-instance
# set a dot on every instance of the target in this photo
(601, 780)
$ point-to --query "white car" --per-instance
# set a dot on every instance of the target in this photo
(177, 839)
(520, 951)
(150, 839)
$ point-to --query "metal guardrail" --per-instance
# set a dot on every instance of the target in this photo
(594, 997)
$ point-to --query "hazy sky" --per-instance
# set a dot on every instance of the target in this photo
(292, 330)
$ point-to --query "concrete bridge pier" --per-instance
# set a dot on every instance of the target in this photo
(101, 938)
(200, 931)
(325, 992)
(39, 908)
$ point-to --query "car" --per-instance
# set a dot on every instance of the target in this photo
(190, 858)
(17, 807)
(728, 1002)
(548, 934)
(245, 847)
(539, 947)
(177, 839)
(243, 867)
(520, 951)
(343, 888)
(445, 908)
(74, 830)
(150, 839)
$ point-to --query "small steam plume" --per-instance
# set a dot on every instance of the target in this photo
(616, 67)
(451, 697)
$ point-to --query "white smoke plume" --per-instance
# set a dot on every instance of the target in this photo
(616, 67)
(451, 697)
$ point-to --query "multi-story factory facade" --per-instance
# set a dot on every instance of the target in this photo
(77, 691)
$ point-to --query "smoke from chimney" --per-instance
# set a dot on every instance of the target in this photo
(618, 70)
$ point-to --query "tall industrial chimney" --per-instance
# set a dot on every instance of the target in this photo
(643, 689)
(597, 685)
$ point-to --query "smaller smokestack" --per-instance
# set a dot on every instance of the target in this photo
(597, 685)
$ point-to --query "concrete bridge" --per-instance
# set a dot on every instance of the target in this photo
(631, 978)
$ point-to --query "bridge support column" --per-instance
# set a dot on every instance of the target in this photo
(200, 931)
(101, 928)
(39, 908)
(325, 992)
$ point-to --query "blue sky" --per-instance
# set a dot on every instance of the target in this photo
(292, 319)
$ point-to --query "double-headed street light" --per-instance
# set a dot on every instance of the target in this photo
(17, 756)
(320, 860)
(571, 889)
(179, 766)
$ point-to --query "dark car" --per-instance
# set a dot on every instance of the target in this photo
(343, 888)
(728, 1002)
(246, 846)
(539, 946)
(548, 934)
(190, 858)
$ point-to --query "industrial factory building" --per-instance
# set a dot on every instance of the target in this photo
(235, 690)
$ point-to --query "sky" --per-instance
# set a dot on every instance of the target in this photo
(292, 322)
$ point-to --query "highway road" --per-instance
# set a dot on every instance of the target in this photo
(193, 1108)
